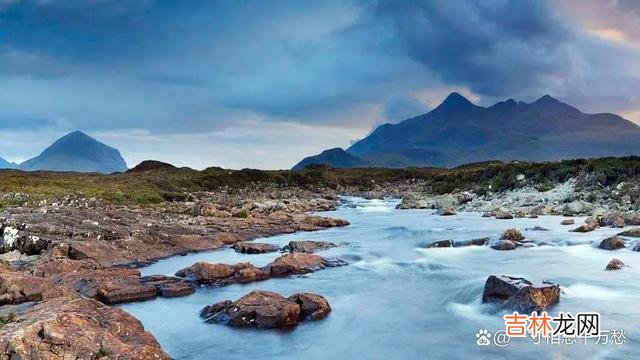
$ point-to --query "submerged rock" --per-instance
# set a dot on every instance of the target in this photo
(512, 235)
(615, 264)
(300, 263)
(611, 243)
(538, 228)
(439, 244)
(568, 222)
(520, 294)
(473, 242)
(264, 309)
(254, 248)
(309, 247)
(504, 245)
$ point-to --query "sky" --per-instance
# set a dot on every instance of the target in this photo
(262, 84)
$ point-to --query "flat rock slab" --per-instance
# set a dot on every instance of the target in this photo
(255, 248)
(300, 263)
(305, 246)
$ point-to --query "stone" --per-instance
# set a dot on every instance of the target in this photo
(568, 222)
(473, 242)
(17, 287)
(254, 248)
(611, 243)
(635, 232)
(504, 245)
(512, 234)
(587, 227)
(502, 214)
(439, 244)
(519, 294)
(261, 309)
(222, 274)
(302, 246)
(615, 264)
(446, 212)
(312, 306)
(300, 263)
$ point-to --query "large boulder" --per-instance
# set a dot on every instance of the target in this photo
(504, 245)
(473, 242)
(611, 243)
(254, 248)
(519, 294)
(635, 232)
(312, 306)
(222, 274)
(439, 244)
(300, 263)
(590, 225)
(576, 207)
(502, 213)
(64, 326)
(303, 246)
(17, 287)
(568, 222)
(262, 309)
(446, 211)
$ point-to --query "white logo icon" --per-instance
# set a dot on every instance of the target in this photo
(483, 337)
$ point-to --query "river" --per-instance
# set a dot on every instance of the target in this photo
(397, 301)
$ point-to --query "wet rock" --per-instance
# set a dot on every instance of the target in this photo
(167, 286)
(635, 232)
(312, 306)
(589, 226)
(615, 264)
(254, 248)
(222, 274)
(611, 243)
(519, 294)
(300, 263)
(538, 228)
(504, 245)
(502, 214)
(568, 222)
(76, 328)
(439, 244)
(473, 242)
(303, 246)
(446, 212)
(512, 235)
(533, 216)
(261, 309)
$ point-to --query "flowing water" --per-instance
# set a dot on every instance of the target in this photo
(397, 301)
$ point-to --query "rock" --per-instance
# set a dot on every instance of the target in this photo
(168, 286)
(503, 214)
(472, 242)
(303, 246)
(439, 244)
(611, 243)
(300, 263)
(15, 237)
(17, 287)
(512, 234)
(254, 248)
(576, 207)
(538, 228)
(619, 222)
(504, 245)
(533, 216)
(568, 222)
(519, 294)
(312, 306)
(615, 264)
(222, 274)
(588, 227)
(635, 232)
(261, 309)
(446, 212)
(75, 328)
(487, 214)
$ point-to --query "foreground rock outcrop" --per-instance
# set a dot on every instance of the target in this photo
(264, 309)
(519, 294)
(65, 326)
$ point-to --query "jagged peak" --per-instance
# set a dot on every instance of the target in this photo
(547, 99)
(455, 101)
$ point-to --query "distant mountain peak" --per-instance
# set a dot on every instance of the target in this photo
(335, 157)
(455, 101)
(548, 99)
(77, 151)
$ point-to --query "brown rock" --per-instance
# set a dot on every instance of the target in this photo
(512, 235)
(75, 328)
(262, 309)
(635, 232)
(300, 263)
(611, 243)
(568, 222)
(222, 274)
(502, 214)
(312, 306)
(254, 248)
(308, 246)
(615, 264)
(167, 286)
(17, 287)
(520, 294)
(446, 212)
(589, 226)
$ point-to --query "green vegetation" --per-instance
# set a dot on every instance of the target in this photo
(172, 184)
(4, 320)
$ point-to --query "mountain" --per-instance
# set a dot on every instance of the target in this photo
(336, 157)
(458, 132)
(4, 164)
(79, 152)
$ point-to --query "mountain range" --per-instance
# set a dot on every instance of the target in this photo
(75, 151)
(458, 132)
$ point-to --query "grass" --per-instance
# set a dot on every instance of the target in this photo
(171, 184)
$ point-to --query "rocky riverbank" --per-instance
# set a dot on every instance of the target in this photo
(66, 260)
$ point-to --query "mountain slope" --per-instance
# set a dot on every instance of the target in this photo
(459, 132)
(79, 152)
(336, 157)
(4, 164)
